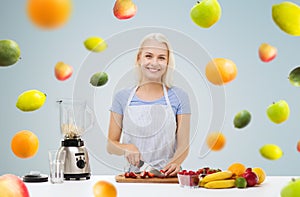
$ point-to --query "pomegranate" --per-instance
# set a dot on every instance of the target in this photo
(250, 177)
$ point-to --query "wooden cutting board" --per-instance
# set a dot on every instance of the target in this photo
(122, 179)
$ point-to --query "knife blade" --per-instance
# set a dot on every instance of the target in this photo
(147, 167)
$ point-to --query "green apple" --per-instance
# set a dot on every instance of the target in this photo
(292, 189)
(278, 112)
(206, 13)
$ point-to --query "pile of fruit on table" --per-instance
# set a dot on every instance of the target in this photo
(217, 179)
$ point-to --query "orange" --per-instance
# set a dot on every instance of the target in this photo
(104, 189)
(237, 168)
(24, 144)
(215, 141)
(49, 14)
(220, 71)
(260, 173)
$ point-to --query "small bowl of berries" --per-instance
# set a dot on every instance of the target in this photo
(188, 179)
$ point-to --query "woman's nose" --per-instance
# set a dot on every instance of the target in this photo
(155, 61)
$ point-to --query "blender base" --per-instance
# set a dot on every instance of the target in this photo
(83, 176)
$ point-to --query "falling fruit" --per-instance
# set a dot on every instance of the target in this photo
(13, 186)
(124, 9)
(220, 71)
(294, 77)
(25, 144)
(63, 71)
(31, 100)
(99, 79)
(267, 52)
(206, 13)
(49, 14)
(242, 119)
(216, 141)
(271, 151)
(292, 189)
(298, 146)
(104, 189)
(286, 16)
(95, 44)
(9, 52)
(278, 112)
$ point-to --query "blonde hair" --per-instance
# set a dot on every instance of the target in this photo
(168, 76)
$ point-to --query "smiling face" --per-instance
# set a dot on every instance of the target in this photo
(153, 61)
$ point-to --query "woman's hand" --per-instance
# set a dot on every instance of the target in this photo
(132, 154)
(171, 169)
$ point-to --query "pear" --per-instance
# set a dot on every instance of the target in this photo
(124, 9)
(286, 16)
(206, 13)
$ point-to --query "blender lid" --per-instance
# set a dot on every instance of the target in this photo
(35, 177)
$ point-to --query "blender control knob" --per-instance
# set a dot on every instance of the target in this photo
(80, 164)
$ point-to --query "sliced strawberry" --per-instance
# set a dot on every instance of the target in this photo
(151, 175)
(127, 174)
(144, 174)
(132, 175)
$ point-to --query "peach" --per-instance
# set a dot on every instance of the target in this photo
(63, 71)
(124, 9)
(11, 185)
(267, 52)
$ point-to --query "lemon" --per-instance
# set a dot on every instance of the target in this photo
(95, 44)
(242, 119)
(31, 100)
(99, 79)
(271, 151)
(9, 52)
(286, 15)
(260, 173)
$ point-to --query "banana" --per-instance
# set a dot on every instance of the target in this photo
(220, 184)
(217, 176)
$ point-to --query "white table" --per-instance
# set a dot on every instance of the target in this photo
(270, 188)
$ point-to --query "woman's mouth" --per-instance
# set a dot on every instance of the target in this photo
(151, 69)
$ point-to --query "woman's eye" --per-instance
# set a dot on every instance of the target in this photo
(148, 56)
(162, 58)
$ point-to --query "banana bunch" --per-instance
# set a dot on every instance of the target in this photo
(218, 180)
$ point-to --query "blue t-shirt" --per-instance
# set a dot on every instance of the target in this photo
(179, 100)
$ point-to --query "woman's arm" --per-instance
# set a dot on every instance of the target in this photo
(183, 143)
(114, 146)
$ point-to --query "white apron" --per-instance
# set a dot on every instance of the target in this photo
(152, 129)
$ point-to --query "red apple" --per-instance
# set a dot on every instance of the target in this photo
(11, 185)
(298, 146)
(267, 52)
(63, 71)
(124, 9)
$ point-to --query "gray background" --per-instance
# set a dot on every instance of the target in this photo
(244, 25)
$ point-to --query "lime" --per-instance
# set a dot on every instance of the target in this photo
(286, 16)
(242, 119)
(31, 100)
(240, 182)
(9, 52)
(95, 44)
(271, 151)
(294, 77)
(99, 79)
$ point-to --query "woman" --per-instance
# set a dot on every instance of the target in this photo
(153, 118)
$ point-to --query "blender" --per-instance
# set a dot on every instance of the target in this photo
(75, 119)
